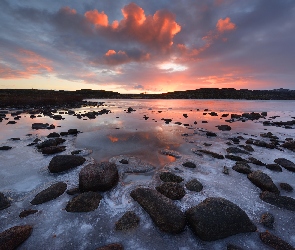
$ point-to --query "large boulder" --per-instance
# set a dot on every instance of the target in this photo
(50, 193)
(4, 201)
(171, 190)
(218, 218)
(98, 177)
(263, 181)
(278, 200)
(128, 221)
(164, 213)
(274, 241)
(11, 238)
(84, 202)
(60, 163)
(289, 165)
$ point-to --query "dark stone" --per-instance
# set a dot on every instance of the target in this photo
(60, 163)
(224, 127)
(123, 161)
(235, 158)
(52, 150)
(213, 154)
(50, 143)
(50, 193)
(113, 246)
(267, 220)
(213, 113)
(84, 202)
(256, 161)
(4, 201)
(189, 164)
(218, 218)
(53, 135)
(233, 247)
(210, 134)
(263, 181)
(73, 131)
(5, 148)
(11, 122)
(40, 125)
(64, 133)
(289, 145)
(224, 115)
(274, 241)
(26, 213)
(287, 187)
(277, 200)
(171, 190)
(11, 238)
(73, 191)
(236, 150)
(169, 177)
(264, 113)
(274, 167)
(194, 185)
(76, 152)
(289, 165)
(98, 177)
(164, 213)
(242, 167)
(128, 221)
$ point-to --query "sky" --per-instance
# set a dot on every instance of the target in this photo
(145, 46)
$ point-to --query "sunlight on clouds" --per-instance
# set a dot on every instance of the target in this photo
(172, 67)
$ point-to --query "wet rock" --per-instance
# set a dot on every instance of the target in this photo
(113, 246)
(289, 145)
(128, 221)
(251, 116)
(60, 163)
(98, 177)
(124, 161)
(278, 200)
(274, 167)
(213, 154)
(76, 152)
(50, 193)
(84, 202)
(235, 158)
(73, 131)
(28, 212)
(4, 201)
(194, 185)
(218, 218)
(5, 148)
(233, 247)
(274, 241)
(242, 167)
(236, 150)
(287, 187)
(73, 191)
(189, 164)
(53, 135)
(224, 115)
(264, 113)
(40, 125)
(13, 237)
(225, 170)
(129, 110)
(52, 150)
(170, 177)
(171, 190)
(267, 220)
(289, 165)
(11, 122)
(224, 127)
(64, 133)
(50, 143)
(210, 134)
(263, 181)
(164, 213)
(256, 161)
(213, 113)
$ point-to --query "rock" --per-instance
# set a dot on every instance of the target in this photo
(218, 218)
(98, 177)
(113, 246)
(4, 201)
(213, 154)
(263, 181)
(171, 190)
(289, 165)
(194, 185)
(274, 167)
(73, 191)
(256, 161)
(128, 221)
(5, 148)
(267, 220)
(50, 143)
(84, 202)
(289, 145)
(11, 122)
(76, 152)
(247, 147)
(64, 133)
(50, 193)
(274, 241)
(60, 163)
(233, 247)
(53, 135)
(225, 170)
(224, 127)
(11, 238)
(277, 200)
(287, 187)
(170, 177)
(235, 158)
(73, 131)
(52, 150)
(210, 134)
(164, 213)
(124, 161)
(26, 213)
(236, 150)
(264, 113)
(189, 164)
(40, 125)
(242, 168)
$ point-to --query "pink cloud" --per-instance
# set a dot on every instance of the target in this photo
(224, 25)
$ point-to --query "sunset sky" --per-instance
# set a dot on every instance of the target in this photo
(149, 46)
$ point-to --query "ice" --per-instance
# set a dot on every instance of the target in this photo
(24, 173)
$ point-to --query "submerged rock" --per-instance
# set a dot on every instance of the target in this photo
(14, 236)
(113, 246)
(278, 200)
(98, 177)
(171, 190)
(84, 202)
(50, 193)
(263, 181)
(289, 165)
(170, 177)
(128, 221)
(194, 185)
(218, 218)
(4, 201)
(164, 213)
(60, 163)
(274, 241)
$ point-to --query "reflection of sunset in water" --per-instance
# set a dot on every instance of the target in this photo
(113, 139)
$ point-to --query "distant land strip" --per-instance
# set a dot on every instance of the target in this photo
(35, 97)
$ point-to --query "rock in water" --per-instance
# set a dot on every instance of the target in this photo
(194, 185)
(128, 221)
(164, 213)
(218, 218)
(60, 163)
(242, 167)
(275, 242)
(50, 193)
(113, 246)
(277, 200)
(289, 165)
(11, 238)
(263, 181)
(267, 220)
(4, 202)
(84, 202)
(171, 190)
(98, 177)
(170, 177)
